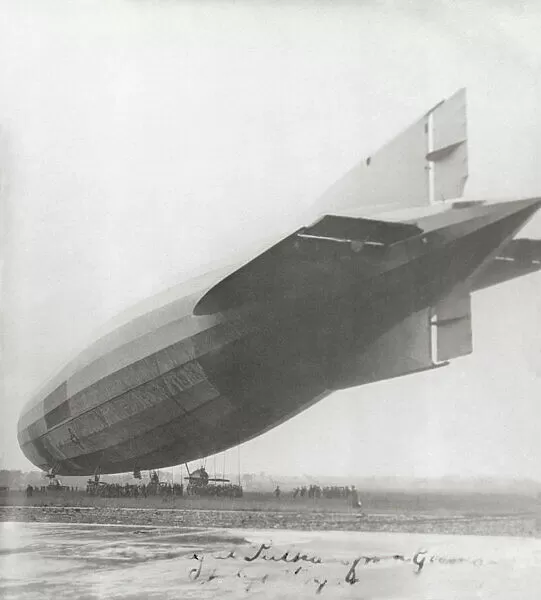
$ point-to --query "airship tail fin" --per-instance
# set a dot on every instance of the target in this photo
(425, 340)
(425, 164)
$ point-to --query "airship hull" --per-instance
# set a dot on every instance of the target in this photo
(175, 384)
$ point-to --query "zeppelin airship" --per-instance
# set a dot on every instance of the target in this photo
(374, 284)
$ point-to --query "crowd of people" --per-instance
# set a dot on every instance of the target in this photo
(198, 484)
(44, 489)
(117, 490)
(224, 490)
(333, 491)
(316, 491)
(130, 490)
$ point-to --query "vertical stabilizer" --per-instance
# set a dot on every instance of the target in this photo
(426, 163)
(452, 326)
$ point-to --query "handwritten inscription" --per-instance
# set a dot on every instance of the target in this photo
(265, 552)
(285, 557)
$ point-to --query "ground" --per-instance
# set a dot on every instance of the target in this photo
(100, 562)
(465, 513)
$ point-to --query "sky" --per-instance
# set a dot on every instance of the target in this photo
(142, 142)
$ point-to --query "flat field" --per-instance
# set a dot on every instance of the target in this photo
(97, 562)
(390, 511)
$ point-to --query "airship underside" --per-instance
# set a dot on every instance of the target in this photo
(342, 302)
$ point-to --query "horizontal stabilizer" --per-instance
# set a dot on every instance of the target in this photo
(336, 250)
(519, 257)
(304, 262)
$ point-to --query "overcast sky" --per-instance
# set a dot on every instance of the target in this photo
(142, 141)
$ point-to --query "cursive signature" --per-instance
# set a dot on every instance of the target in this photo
(286, 557)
